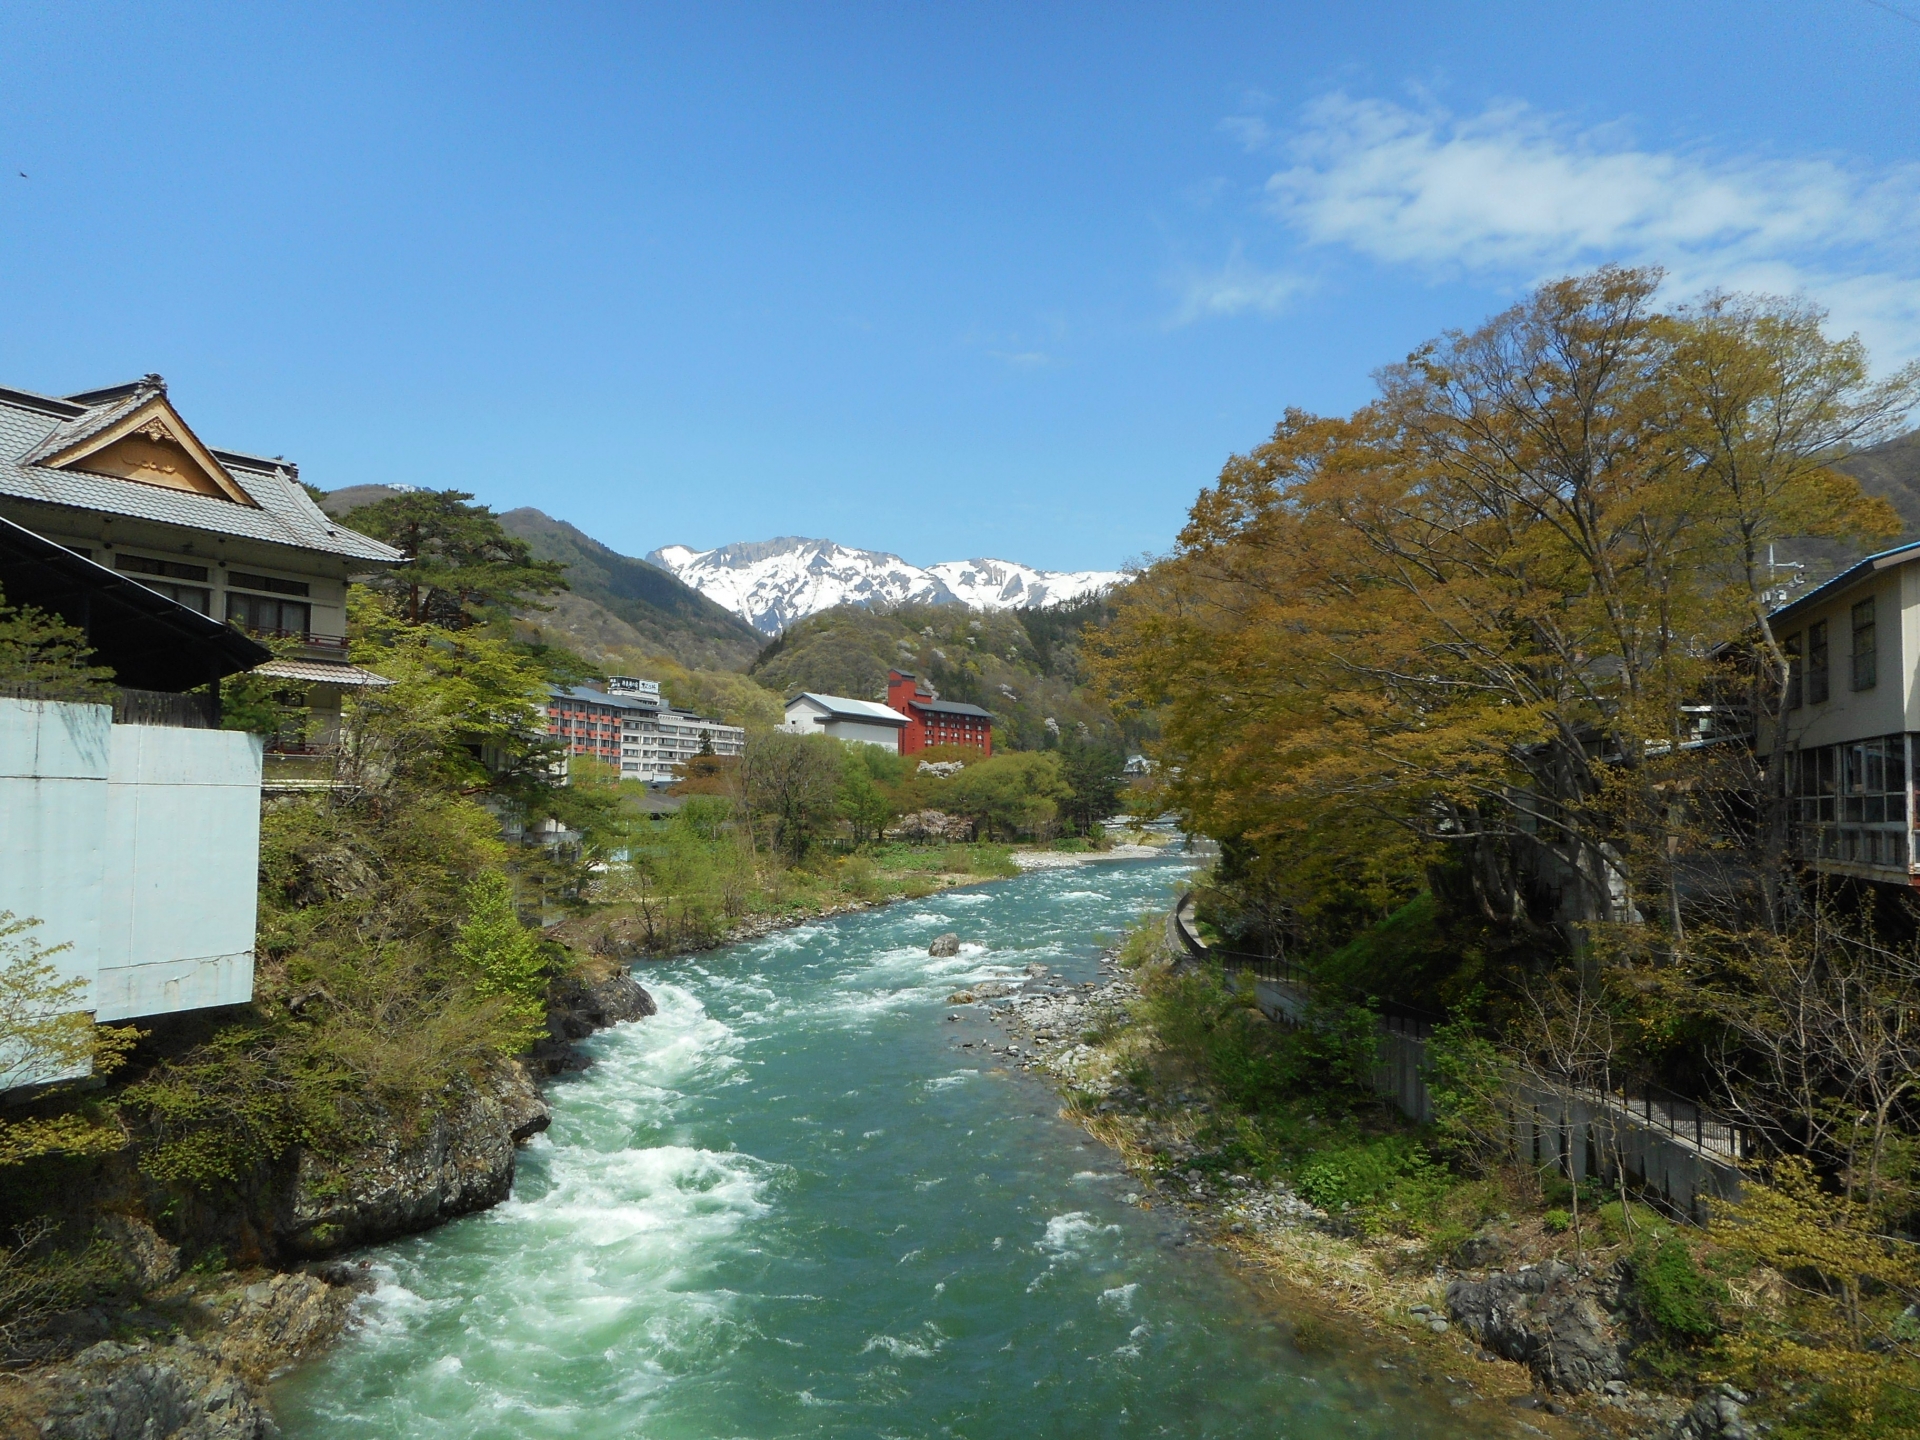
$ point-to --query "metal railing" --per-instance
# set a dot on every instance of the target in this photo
(195, 710)
(1709, 1132)
(311, 639)
(1706, 1130)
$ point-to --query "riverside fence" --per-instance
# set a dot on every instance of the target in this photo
(1662, 1144)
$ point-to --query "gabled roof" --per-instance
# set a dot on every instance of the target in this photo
(1853, 575)
(840, 707)
(149, 641)
(47, 441)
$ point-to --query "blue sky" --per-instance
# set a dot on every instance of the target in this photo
(950, 281)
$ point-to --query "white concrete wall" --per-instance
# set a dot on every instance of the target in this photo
(803, 718)
(183, 821)
(53, 824)
(136, 845)
(887, 737)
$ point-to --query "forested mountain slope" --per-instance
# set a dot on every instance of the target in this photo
(665, 616)
(1023, 665)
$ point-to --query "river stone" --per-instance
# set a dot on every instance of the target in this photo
(1714, 1416)
(129, 1392)
(947, 944)
(408, 1178)
(1545, 1317)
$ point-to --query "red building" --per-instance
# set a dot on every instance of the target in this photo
(936, 722)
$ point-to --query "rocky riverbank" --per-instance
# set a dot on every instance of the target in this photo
(1503, 1329)
(189, 1354)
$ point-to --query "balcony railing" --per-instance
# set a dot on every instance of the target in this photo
(332, 647)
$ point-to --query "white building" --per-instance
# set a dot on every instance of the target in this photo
(1853, 717)
(865, 721)
(654, 746)
(630, 725)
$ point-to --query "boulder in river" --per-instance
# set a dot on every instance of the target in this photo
(410, 1177)
(1547, 1318)
(947, 944)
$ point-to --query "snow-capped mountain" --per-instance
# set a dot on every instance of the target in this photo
(772, 583)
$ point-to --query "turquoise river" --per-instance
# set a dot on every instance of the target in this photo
(791, 1205)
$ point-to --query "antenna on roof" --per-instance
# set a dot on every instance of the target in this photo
(1776, 595)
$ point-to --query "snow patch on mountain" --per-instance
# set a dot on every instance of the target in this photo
(772, 583)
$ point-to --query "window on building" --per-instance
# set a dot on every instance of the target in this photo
(1865, 666)
(160, 575)
(268, 583)
(268, 615)
(1817, 672)
(1794, 665)
(1851, 801)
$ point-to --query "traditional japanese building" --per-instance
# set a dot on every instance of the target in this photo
(933, 722)
(118, 477)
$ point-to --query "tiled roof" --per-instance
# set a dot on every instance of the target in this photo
(34, 426)
(325, 672)
(853, 709)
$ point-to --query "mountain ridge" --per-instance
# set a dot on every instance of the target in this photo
(771, 584)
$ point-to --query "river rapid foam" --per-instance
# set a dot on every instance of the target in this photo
(788, 1205)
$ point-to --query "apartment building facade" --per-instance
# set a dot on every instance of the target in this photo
(629, 725)
(1852, 721)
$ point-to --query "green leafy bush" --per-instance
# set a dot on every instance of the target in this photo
(1677, 1298)
(1391, 1170)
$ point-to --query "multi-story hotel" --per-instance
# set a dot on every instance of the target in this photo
(629, 725)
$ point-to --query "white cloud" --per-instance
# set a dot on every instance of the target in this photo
(1512, 193)
(1234, 289)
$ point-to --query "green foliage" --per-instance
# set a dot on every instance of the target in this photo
(791, 787)
(865, 807)
(1007, 795)
(1414, 956)
(1556, 1221)
(390, 963)
(45, 1036)
(43, 657)
(41, 1279)
(263, 704)
(1677, 1298)
(463, 569)
(1391, 1170)
(1219, 1032)
(1093, 774)
(505, 957)
(1467, 1081)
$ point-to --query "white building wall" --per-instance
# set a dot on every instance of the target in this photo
(1849, 714)
(138, 846)
(183, 814)
(53, 825)
(887, 737)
